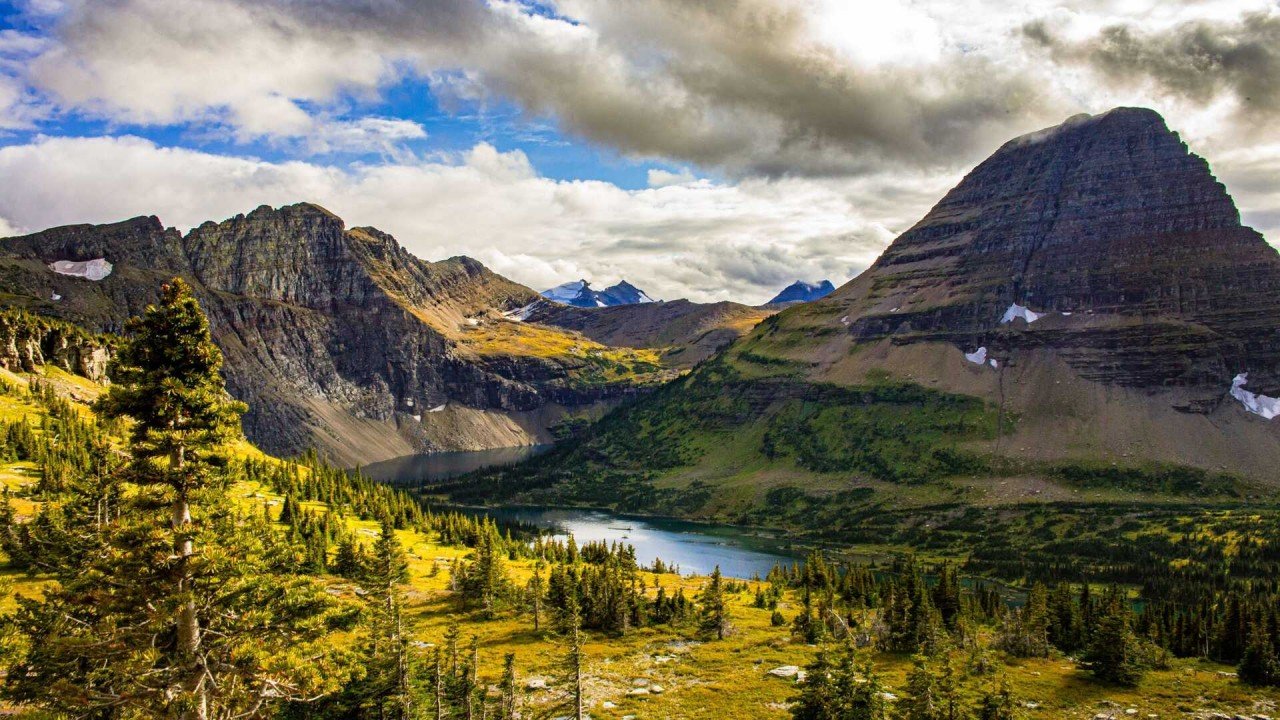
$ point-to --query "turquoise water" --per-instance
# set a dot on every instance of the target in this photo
(695, 548)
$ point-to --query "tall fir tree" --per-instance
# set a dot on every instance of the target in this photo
(1114, 653)
(715, 613)
(189, 609)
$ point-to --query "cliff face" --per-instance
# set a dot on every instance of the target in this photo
(336, 338)
(28, 342)
(1115, 234)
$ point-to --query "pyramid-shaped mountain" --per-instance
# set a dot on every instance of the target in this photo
(1121, 242)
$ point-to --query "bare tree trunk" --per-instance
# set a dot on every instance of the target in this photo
(577, 673)
(439, 686)
(188, 622)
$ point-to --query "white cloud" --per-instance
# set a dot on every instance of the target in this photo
(702, 240)
(657, 177)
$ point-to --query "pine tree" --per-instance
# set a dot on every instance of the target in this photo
(575, 662)
(509, 692)
(996, 703)
(535, 592)
(817, 699)
(385, 570)
(1114, 655)
(1258, 665)
(715, 614)
(922, 701)
(187, 610)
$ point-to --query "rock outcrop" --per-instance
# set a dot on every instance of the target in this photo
(28, 342)
(337, 338)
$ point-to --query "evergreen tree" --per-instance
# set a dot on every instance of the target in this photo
(484, 581)
(996, 703)
(1025, 632)
(922, 701)
(715, 614)
(575, 664)
(535, 593)
(1114, 655)
(388, 666)
(509, 692)
(1259, 665)
(189, 609)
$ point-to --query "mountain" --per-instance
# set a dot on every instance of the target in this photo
(580, 294)
(686, 332)
(1082, 317)
(800, 291)
(337, 338)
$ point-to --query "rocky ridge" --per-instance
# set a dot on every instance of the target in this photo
(337, 337)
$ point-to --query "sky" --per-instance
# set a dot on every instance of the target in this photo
(708, 150)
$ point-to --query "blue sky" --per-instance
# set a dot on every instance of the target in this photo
(704, 150)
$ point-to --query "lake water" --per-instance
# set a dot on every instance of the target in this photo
(694, 547)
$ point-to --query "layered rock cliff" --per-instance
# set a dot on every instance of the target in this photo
(28, 342)
(336, 337)
(1110, 230)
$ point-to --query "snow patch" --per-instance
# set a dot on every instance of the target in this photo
(522, 313)
(438, 408)
(844, 320)
(978, 356)
(1017, 311)
(94, 270)
(993, 363)
(417, 418)
(55, 297)
(1267, 407)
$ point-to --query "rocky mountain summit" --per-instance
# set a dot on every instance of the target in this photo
(1120, 240)
(580, 294)
(801, 291)
(337, 337)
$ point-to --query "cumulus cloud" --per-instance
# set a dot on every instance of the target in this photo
(1198, 61)
(702, 240)
(750, 86)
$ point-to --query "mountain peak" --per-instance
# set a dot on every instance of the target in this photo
(1107, 217)
(580, 294)
(801, 291)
